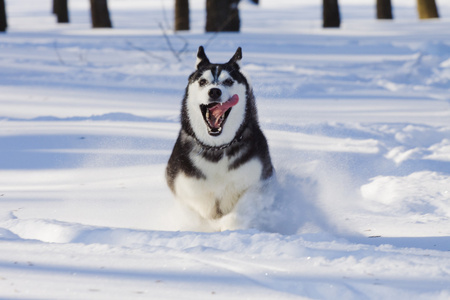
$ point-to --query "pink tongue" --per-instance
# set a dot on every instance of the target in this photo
(218, 110)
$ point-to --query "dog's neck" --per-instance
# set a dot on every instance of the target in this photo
(204, 147)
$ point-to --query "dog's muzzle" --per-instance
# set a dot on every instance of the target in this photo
(215, 114)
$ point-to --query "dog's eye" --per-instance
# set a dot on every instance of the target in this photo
(203, 82)
(228, 82)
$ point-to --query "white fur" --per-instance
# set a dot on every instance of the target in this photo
(221, 185)
(199, 95)
(226, 199)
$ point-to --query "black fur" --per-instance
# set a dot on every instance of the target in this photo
(180, 161)
(249, 141)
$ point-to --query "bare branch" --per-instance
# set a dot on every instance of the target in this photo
(146, 52)
(55, 45)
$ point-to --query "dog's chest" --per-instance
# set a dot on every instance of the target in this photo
(219, 173)
(221, 188)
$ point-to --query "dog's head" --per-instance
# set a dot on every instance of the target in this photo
(216, 99)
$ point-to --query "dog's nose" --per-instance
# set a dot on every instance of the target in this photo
(215, 93)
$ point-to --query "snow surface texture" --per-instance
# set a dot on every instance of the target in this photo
(358, 124)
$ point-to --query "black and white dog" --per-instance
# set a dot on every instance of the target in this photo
(221, 154)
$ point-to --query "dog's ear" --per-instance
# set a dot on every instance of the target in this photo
(236, 59)
(201, 58)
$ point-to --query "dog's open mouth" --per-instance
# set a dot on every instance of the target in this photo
(215, 114)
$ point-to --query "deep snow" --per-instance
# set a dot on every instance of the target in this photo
(357, 121)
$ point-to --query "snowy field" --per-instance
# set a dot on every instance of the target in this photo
(358, 124)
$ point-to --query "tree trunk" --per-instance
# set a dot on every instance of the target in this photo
(384, 10)
(61, 10)
(427, 9)
(331, 16)
(181, 15)
(222, 15)
(3, 23)
(100, 14)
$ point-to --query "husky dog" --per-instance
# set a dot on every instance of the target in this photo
(221, 153)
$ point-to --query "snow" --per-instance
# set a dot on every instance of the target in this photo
(357, 121)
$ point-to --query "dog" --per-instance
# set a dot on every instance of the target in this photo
(220, 154)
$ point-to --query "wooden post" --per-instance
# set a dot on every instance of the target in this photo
(3, 23)
(427, 9)
(181, 15)
(222, 15)
(331, 15)
(384, 10)
(61, 10)
(100, 14)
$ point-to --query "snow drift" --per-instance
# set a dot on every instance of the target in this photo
(357, 121)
